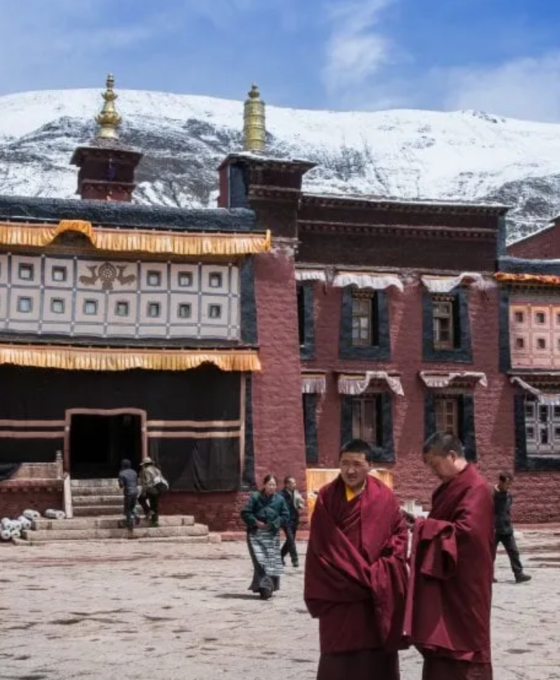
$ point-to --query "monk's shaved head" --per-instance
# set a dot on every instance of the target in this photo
(442, 443)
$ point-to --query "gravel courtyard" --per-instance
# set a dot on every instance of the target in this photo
(134, 610)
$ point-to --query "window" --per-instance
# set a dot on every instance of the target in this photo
(90, 307)
(519, 343)
(215, 280)
(185, 279)
(366, 420)
(519, 317)
(214, 311)
(541, 343)
(25, 272)
(184, 310)
(542, 428)
(443, 324)
(24, 305)
(154, 278)
(540, 317)
(154, 309)
(57, 306)
(122, 308)
(59, 274)
(364, 320)
(447, 415)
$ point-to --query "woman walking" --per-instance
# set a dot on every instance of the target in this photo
(265, 512)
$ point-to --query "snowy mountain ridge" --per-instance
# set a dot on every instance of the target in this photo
(407, 154)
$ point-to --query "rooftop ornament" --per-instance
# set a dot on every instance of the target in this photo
(254, 123)
(108, 118)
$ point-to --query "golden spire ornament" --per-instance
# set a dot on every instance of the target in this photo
(108, 119)
(254, 123)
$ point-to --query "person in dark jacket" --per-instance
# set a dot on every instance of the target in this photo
(294, 501)
(503, 501)
(128, 482)
(264, 514)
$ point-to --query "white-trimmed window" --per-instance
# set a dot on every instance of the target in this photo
(542, 428)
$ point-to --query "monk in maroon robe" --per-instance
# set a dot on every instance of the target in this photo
(356, 574)
(450, 592)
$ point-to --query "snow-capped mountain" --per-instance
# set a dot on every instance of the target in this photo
(463, 155)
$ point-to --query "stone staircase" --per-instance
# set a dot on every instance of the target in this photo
(96, 497)
(96, 507)
(176, 528)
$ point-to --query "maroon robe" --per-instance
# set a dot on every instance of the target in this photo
(355, 580)
(449, 600)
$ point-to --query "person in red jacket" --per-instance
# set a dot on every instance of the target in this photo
(356, 573)
(450, 592)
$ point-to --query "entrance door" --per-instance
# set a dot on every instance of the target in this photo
(98, 443)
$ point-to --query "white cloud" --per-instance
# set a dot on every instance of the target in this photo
(526, 88)
(357, 48)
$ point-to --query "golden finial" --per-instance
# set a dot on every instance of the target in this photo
(254, 122)
(108, 119)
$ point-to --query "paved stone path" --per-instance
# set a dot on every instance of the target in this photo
(169, 611)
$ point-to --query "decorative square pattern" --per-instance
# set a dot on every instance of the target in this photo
(535, 334)
(134, 299)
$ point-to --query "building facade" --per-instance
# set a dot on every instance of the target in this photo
(257, 337)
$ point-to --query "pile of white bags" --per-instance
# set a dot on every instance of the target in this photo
(12, 528)
(55, 514)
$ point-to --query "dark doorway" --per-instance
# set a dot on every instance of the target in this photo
(99, 442)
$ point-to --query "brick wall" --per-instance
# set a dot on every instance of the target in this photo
(14, 499)
(543, 245)
(220, 511)
(537, 495)
(277, 400)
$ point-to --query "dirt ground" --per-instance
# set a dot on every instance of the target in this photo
(169, 611)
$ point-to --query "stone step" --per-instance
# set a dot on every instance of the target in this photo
(198, 531)
(94, 483)
(106, 523)
(98, 510)
(96, 491)
(97, 500)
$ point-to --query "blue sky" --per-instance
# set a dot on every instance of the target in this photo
(502, 56)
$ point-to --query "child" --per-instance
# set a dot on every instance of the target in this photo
(504, 528)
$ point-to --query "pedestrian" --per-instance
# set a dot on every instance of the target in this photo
(264, 514)
(503, 501)
(128, 482)
(356, 573)
(448, 608)
(153, 485)
(294, 501)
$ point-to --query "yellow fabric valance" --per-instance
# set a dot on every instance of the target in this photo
(114, 359)
(138, 240)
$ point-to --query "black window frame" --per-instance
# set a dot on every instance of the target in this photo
(309, 408)
(381, 334)
(466, 415)
(305, 292)
(462, 351)
(384, 452)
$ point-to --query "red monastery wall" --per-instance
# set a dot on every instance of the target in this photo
(536, 494)
(543, 245)
(15, 498)
(277, 403)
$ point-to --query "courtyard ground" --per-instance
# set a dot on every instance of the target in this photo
(134, 610)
